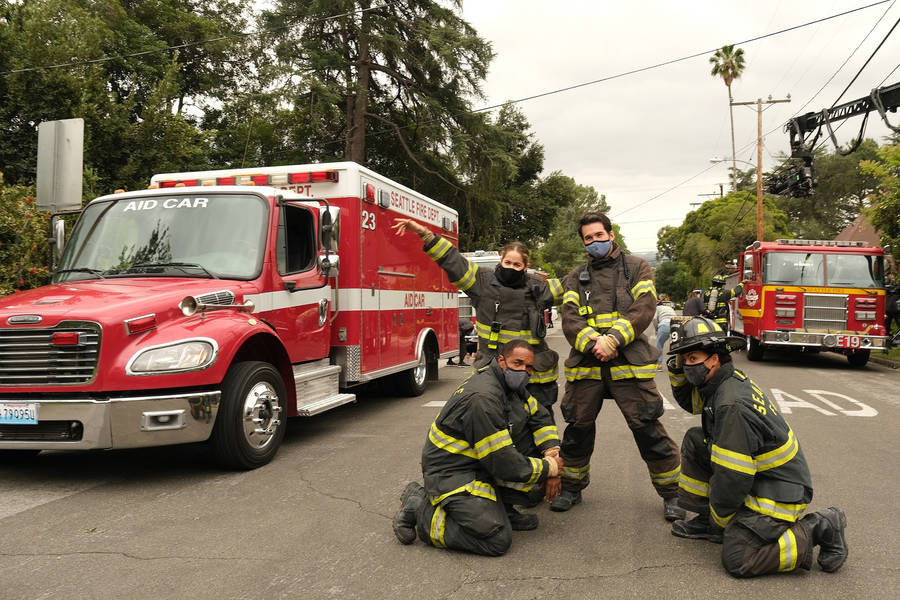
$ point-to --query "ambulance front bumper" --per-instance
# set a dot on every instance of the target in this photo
(108, 423)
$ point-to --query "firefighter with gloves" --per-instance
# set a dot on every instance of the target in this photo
(743, 471)
(509, 303)
(491, 447)
(607, 306)
(715, 301)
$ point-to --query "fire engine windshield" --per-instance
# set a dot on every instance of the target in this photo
(855, 270)
(794, 268)
(182, 235)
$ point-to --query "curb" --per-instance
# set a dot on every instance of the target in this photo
(887, 362)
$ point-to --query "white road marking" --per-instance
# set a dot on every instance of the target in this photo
(435, 404)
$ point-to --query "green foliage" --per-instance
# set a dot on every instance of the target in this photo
(885, 208)
(672, 280)
(713, 235)
(728, 64)
(23, 239)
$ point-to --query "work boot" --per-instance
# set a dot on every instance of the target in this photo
(566, 500)
(697, 528)
(404, 522)
(450, 362)
(671, 510)
(520, 521)
(826, 529)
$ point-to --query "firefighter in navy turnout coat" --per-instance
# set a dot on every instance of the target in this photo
(509, 303)
(607, 306)
(743, 472)
(491, 447)
(715, 301)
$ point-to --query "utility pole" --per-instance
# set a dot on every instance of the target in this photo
(759, 194)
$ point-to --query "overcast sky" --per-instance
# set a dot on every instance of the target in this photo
(634, 137)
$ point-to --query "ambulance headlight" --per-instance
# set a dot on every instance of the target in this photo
(177, 357)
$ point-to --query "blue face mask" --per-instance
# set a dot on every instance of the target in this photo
(599, 249)
(516, 380)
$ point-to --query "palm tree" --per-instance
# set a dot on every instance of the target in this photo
(728, 64)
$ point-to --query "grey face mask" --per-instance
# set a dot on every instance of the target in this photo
(599, 249)
(696, 374)
(516, 380)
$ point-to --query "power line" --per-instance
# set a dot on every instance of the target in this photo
(871, 56)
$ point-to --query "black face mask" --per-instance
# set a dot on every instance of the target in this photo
(509, 277)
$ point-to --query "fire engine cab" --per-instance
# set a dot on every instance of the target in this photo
(216, 304)
(811, 295)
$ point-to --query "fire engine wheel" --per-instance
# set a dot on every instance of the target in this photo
(251, 420)
(858, 358)
(754, 349)
(412, 381)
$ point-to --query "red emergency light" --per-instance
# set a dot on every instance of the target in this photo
(224, 180)
(167, 184)
(259, 179)
(140, 324)
(65, 338)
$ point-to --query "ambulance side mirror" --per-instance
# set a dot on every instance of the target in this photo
(59, 237)
(330, 227)
(329, 264)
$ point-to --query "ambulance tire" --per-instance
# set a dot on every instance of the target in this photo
(236, 440)
(754, 349)
(858, 358)
(413, 382)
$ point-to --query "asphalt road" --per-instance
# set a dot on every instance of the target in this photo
(315, 523)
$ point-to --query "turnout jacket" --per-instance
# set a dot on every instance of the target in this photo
(755, 457)
(485, 435)
(614, 294)
(720, 309)
(503, 313)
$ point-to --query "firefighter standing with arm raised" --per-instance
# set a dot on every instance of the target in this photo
(715, 301)
(607, 305)
(743, 471)
(509, 303)
(482, 456)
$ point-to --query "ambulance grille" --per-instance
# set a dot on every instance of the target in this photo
(222, 297)
(29, 356)
(825, 311)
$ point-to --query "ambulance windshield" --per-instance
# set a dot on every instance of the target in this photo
(182, 235)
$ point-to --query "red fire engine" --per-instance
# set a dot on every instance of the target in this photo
(219, 303)
(811, 295)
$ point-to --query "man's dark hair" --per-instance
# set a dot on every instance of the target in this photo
(511, 345)
(594, 217)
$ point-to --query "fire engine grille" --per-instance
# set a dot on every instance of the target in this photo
(221, 298)
(30, 357)
(45, 431)
(825, 311)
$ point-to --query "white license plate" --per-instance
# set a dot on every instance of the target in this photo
(19, 413)
(848, 341)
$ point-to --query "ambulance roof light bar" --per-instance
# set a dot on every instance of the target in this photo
(275, 179)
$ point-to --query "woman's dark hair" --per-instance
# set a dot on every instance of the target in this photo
(594, 217)
(517, 246)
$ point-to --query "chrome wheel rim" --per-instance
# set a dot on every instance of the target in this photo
(261, 415)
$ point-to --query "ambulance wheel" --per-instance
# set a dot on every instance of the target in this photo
(251, 420)
(858, 358)
(754, 349)
(412, 381)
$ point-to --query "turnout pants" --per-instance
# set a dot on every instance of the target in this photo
(641, 405)
(468, 523)
(753, 544)
(545, 394)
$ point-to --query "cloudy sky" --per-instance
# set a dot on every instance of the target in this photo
(635, 137)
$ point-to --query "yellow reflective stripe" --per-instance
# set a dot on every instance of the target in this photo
(551, 374)
(436, 531)
(492, 443)
(473, 488)
(505, 335)
(677, 379)
(735, 461)
(643, 287)
(531, 405)
(693, 486)
(787, 551)
(439, 249)
(635, 371)
(601, 322)
(583, 338)
(537, 467)
(468, 278)
(449, 443)
(576, 473)
(545, 434)
(696, 402)
(720, 521)
(556, 289)
(579, 373)
(572, 296)
(780, 455)
(778, 510)
(522, 487)
(624, 327)
(667, 477)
